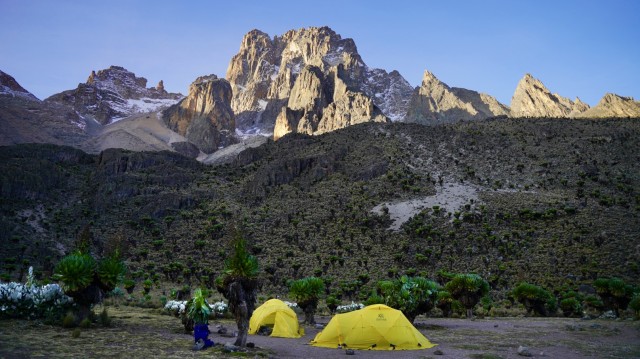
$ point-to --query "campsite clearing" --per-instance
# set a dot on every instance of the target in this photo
(144, 333)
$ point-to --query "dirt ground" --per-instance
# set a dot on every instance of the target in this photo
(146, 333)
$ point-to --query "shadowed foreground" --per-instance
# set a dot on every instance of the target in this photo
(143, 333)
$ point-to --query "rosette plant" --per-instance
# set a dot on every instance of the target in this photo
(615, 293)
(468, 289)
(444, 302)
(76, 272)
(239, 285)
(86, 281)
(307, 292)
(535, 299)
(110, 272)
(411, 295)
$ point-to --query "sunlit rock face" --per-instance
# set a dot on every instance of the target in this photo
(269, 78)
(435, 102)
(533, 99)
(612, 105)
(205, 116)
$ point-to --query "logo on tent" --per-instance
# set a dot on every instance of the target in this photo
(381, 317)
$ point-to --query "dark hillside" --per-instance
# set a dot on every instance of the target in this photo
(554, 202)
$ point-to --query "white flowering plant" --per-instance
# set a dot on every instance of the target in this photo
(291, 305)
(219, 308)
(32, 301)
(349, 307)
(178, 308)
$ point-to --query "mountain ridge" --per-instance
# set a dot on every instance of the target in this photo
(268, 97)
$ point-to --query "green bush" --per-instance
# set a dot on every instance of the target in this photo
(571, 307)
(444, 301)
(111, 271)
(241, 264)
(468, 289)
(593, 301)
(332, 303)
(615, 293)
(147, 284)
(535, 299)
(307, 292)
(69, 321)
(411, 295)
(85, 281)
(129, 285)
(76, 271)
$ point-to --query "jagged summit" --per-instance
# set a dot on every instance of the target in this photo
(435, 102)
(612, 105)
(11, 88)
(533, 99)
(264, 72)
(114, 93)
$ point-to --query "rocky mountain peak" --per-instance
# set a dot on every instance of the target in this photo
(321, 103)
(611, 98)
(265, 70)
(9, 87)
(204, 117)
(533, 99)
(120, 80)
(435, 102)
(612, 105)
(115, 93)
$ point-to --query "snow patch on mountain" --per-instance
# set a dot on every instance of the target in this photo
(6, 91)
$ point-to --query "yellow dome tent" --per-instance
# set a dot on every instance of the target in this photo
(276, 313)
(375, 327)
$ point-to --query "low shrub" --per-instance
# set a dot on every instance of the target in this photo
(571, 307)
(19, 300)
(615, 293)
(69, 320)
(535, 299)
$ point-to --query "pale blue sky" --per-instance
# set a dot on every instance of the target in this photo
(576, 48)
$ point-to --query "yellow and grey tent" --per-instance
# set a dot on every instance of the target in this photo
(375, 327)
(276, 313)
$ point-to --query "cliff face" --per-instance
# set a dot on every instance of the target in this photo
(435, 102)
(533, 99)
(204, 117)
(265, 72)
(115, 93)
(321, 103)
